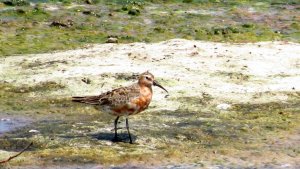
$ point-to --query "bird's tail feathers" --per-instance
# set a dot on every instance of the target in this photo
(94, 100)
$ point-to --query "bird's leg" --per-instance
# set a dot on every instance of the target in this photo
(127, 126)
(116, 125)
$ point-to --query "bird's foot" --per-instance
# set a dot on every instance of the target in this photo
(116, 139)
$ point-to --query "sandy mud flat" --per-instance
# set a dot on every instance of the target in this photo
(230, 105)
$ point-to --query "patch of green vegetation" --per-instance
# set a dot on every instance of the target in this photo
(68, 2)
(39, 64)
(239, 124)
(44, 86)
(34, 29)
(33, 40)
(18, 98)
(238, 78)
(133, 7)
(73, 133)
(243, 33)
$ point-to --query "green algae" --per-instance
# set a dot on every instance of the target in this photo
(42, 87)
(237, 78)
(77, 134)
(27, 29)
(15, 98)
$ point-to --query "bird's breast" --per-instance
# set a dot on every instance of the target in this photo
(144, 99)
(134, 105)
(143, 102)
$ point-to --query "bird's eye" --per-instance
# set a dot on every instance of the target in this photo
(148, 78)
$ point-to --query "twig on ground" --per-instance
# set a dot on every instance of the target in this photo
(12, 157)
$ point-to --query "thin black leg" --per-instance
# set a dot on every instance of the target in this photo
(127, 126)
(116, 125)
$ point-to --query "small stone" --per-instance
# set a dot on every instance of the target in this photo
(285, 165)
(134, 11)
(223, 106)
(33, 131)
(20, 11)
(66, 24)
(180, 137)
(109, 143)
(88, 13)
(4, 119)
(86, 80)
(112, 40)
(88, 1)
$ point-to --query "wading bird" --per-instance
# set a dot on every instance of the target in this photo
(124, 101)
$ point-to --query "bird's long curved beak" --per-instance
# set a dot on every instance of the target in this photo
(155, 83)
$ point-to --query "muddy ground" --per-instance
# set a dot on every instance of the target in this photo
(229, 106)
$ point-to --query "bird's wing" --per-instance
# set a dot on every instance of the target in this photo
(113, 98)
(120, 96)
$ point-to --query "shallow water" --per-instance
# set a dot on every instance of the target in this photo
(10, 123)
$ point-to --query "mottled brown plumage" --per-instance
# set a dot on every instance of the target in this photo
(124, 101)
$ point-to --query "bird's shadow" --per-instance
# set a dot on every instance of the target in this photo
(122, 137)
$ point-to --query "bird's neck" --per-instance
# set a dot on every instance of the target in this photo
(146, 91)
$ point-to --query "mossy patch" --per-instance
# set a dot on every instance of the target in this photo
(29, 29)
(238, 78)
(43, 86)
(16, 98)
(71, 133)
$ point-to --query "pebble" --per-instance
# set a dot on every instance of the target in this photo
(4, 119)
(33, 131)
(112, 40)
(223, 106)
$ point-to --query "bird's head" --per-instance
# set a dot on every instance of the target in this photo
(147, 79)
